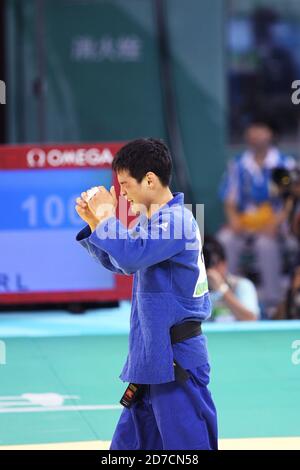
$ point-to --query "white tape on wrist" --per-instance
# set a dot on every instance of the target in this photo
(91, 192)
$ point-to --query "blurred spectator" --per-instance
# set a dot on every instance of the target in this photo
(293, 203)
(254, 214)
(290, 308)
(233, 297)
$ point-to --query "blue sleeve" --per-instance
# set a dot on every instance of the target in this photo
(136, 249)
(99, 255)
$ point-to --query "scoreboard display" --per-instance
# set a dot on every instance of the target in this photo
(40, 260)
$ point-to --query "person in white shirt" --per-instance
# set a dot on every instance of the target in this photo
(233, 298)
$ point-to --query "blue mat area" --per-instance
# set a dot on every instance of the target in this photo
(106, 321)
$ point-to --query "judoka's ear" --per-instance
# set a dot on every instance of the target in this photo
(150, 177)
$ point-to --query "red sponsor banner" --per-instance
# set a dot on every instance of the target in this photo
(55, 156)
(122, 291)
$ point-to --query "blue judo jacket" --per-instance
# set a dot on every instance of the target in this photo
(164, 253)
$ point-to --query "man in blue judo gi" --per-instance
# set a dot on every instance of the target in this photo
(167, 404)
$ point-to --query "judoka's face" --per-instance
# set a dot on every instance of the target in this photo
(137, 194)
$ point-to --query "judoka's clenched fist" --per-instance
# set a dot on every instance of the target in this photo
(100, 206)
(103, 203)
(83, 210)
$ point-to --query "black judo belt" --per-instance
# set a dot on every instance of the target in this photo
(178, 333)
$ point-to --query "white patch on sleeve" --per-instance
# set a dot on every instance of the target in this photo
(201, 286)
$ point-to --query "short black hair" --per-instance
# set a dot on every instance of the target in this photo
(142, 155)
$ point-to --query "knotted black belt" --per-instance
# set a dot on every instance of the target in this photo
(179, 333)
(185, 330)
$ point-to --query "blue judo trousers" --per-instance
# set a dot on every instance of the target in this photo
(172, 416)
(164, 254)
